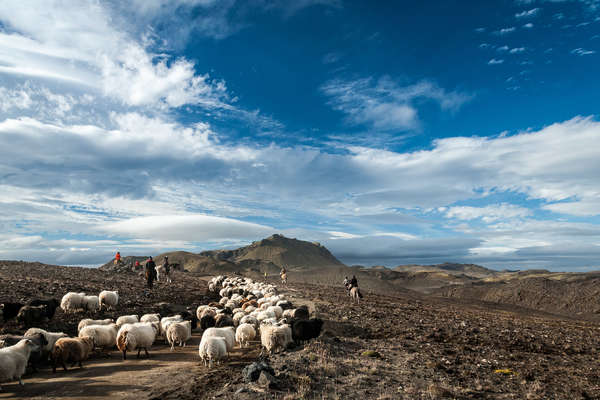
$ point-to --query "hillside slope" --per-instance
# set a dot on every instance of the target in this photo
(564, 294)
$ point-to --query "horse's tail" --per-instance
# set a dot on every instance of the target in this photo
(359, 293)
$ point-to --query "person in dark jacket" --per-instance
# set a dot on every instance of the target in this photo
(150, 272)
(353, 282)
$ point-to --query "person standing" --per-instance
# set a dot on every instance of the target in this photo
(118, 258)
(150, 272)
(353, 282)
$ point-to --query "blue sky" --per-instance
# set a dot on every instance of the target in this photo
(392, 132)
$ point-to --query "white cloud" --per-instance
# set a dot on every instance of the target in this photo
(488, 213)
(502, 48)
(528, 13)
(528, 25)
(517, 50)
(589, 207)
(505, 31)
(386, 105)
(189, 228)
(495, 61)
(582, 52)
(83, 45)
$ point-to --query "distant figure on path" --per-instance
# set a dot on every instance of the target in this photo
(117, 258)
(265, 276)
(353, 282)
(150, 272)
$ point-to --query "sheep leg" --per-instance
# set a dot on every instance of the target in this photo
(80, 366)
(139, 350)
(64, 365)
(124, 354)
(172, 346)
(21, 382)
(147, 354)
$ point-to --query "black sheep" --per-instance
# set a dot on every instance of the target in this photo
(10, 310)
(36, 355)
(301, 313)
(304, 330)
(51, 306)
(187, 316)
(223, 320)
(207, 321)
(29, 315)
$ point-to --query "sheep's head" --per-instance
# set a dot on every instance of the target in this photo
(29, 343)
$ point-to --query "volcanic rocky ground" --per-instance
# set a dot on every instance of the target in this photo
(407, 346)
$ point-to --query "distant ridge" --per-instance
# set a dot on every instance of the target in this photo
(280, 251)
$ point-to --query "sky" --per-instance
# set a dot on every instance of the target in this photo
(392, 132)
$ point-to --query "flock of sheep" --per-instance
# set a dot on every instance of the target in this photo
(247, 310)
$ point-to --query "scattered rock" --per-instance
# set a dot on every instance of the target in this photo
(267, 380)
(251, 372)
(371, 353)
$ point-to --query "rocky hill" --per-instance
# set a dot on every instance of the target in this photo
(280, 251)
(561, 293)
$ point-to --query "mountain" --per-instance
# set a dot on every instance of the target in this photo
(280, 251)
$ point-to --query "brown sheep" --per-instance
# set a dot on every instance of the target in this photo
(73, 350)
(215, 305)
(249, 303)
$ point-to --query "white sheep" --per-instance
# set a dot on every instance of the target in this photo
(104, 336)
(179, 332)
(277, 310)
(212, 349)
(150, 318)
(136, 336)
(265, 315)
(166, 321)
(108, 298)
(86, 322)
(237, 317)
(250, 319)
(274, 337)
(127, 319)
(51, 337)
(72, 301)
(90, 303)
(228, 333)
(244, 334)
(13, 360)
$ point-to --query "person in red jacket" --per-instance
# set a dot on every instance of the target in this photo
(117, 258)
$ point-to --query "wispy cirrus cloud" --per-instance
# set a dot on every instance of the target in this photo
(495, 61)
(505, 31)
(528, 13)
(582, 52)
(386, 105)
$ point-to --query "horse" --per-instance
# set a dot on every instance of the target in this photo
(356, 294)
(162, 271)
